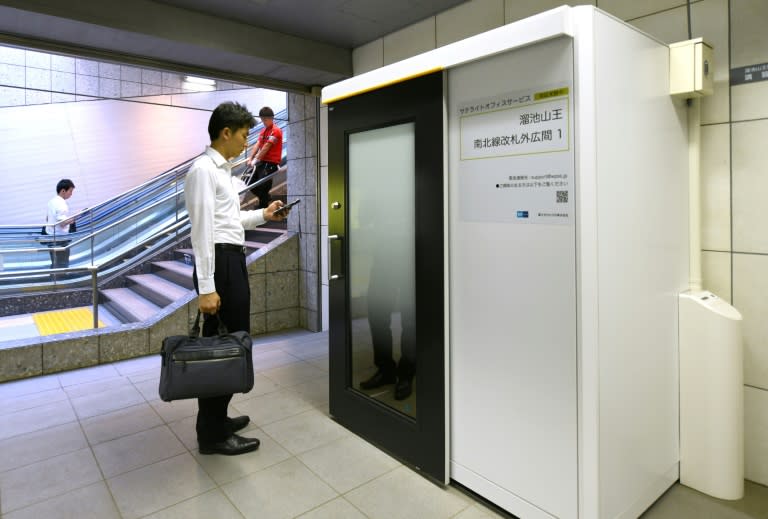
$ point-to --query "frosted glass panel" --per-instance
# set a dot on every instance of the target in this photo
(381, 194)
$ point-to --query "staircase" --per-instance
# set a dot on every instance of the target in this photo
(144, 295)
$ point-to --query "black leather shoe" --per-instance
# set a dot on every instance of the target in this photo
(403, 388)
(380, 378)
(232, 446)
(239, 423)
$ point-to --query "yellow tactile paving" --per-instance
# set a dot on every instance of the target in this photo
(63, 321)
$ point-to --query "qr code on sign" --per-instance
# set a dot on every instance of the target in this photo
(562, 197)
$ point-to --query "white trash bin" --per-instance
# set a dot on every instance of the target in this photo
(711, 396)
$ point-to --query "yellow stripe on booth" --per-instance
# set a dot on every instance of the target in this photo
(63, 321)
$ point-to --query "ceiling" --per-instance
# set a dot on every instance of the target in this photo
(344, 23)
(285, 44)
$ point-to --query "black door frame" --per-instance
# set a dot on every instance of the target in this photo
(420, 442)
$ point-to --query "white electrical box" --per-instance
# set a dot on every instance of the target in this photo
(691, 68)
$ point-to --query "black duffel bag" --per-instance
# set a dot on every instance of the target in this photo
(199, 367)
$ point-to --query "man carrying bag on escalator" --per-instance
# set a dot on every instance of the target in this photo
(266, 155)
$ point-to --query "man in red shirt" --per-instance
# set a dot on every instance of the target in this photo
(266, 155)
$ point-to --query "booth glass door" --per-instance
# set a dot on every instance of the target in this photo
(387, 341)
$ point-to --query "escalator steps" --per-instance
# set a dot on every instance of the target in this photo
(63, 321)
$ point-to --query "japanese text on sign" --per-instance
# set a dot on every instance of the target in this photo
(517, 129)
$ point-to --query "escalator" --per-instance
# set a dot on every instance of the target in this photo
(116, 235)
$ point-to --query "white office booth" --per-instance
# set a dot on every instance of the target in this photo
(566, 246)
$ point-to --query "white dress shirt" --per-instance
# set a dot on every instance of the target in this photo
(214, 212)
(58, 210)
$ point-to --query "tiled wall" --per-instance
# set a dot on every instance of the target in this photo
(734, 166)
(302, 184)
(29, 77)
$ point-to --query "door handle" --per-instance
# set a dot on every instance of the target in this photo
(331, 239)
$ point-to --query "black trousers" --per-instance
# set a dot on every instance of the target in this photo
(231, 279)
(262, 190)
(59, 259)
(384, 291)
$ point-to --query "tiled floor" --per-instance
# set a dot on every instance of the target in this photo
(98, 443)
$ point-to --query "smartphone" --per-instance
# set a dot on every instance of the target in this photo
(287, 206)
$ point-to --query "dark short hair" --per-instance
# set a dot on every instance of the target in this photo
(266, 112)
(229, 115)
(63, 185)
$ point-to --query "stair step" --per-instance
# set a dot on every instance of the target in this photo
(107, 317)
(175, 271)
(128, 305)
(157, 289)
(255, 244)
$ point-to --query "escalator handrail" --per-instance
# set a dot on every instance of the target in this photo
(175, 172)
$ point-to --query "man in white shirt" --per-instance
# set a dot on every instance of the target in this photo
(220, 274)
(58, 219)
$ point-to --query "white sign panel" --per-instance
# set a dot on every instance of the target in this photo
(516, 158)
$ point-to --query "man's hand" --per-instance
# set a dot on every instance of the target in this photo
(269, 212)
(209, 303)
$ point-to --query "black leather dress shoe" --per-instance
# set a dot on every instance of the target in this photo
(403, 388)
(380, 378)
(232, 446)
(239, 423)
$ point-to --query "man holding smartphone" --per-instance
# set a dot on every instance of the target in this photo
(220, 275)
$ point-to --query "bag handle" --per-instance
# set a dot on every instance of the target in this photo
(195, 330)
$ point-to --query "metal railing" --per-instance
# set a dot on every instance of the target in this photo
(181, 224)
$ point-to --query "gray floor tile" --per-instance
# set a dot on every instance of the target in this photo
(97, 386)
(137, 450)
(272, 407)
(224, 469)
(176, 410)
(337, 509)
(402, 494)
(37, 446)
(315, 392)
(305, 431)
(294, 373)
(281, 491)
(80, 376)
(211, 505)
(184, 430)
(149, 388)
(140, 376)
(91, 502)
(311, 350)
(261, 386)
(320, 362)
(477, 512)
(12, 404)
(28, 386)
(149, 489)
(36, 419)
(137, 365)
(106, 401)
(50, 478)
(681, 502)
(348, 463)
(120, 423)
(272, 359)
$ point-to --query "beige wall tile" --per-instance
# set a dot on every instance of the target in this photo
(716, 187)
(630, 9)
(716, 271)
(667, 26)
(709, 19)
(518, 9)
(467, 19)
(756, 435)
(749, 39)
(750, 183)
(750, 101)
(409, 41)
(368, 57)
(750, 284)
